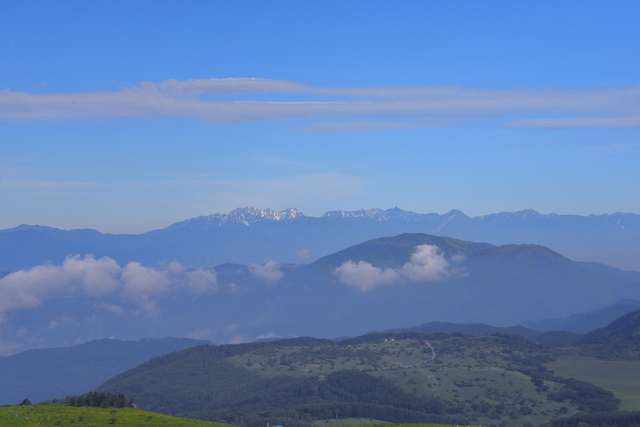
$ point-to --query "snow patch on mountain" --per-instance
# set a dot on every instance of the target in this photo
(242, 216)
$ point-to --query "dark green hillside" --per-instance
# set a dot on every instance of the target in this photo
(408, 377)
(57, 372)
(627, 326)
(605, 419)
(619, 340)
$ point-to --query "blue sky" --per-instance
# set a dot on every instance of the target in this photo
(129, 117)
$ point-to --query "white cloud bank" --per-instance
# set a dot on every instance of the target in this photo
(358, 108)
(97, 277)
(427, 263)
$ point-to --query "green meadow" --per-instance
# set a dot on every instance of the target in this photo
(65, 416)
(348, 422)
(622, 377)
(71, 416)
(360, 422)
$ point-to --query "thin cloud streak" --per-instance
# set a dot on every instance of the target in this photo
(367, 125)
(365, 108)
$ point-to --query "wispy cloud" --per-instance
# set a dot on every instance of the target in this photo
(358, 108)
(367, 125)
(614, 148)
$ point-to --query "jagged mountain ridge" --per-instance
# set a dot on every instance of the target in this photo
(241, 216)
(250, 215)
(250, 235)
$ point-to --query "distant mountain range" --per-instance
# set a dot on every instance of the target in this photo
(249, 235)
(586, 322)
(479, 329)
(565, 330)
(384, 283)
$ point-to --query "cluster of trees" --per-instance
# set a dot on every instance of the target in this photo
(303, 416)
(356, 386)
(603, 419)
(224, 392)
(101, 400)
(588, 397)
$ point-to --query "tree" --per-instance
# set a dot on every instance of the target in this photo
(25, 402)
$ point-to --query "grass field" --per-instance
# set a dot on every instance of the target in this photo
(622, 377)
(361, 422)
(70, 416)
(347, 422)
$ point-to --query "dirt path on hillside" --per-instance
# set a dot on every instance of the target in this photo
(433, 351)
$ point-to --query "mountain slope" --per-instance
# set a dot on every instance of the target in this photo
(586, 322)
(46, 374)
(627, 326)
(385, 283)
(390, 377)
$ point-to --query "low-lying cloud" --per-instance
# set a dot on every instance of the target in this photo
(365, 276)
(358, 108)
(269, 271)
(427, 263)
(97, 277)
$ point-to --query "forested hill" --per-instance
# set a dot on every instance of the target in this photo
(627, 326)
(618, 340)
(48, 373)
(408, 377)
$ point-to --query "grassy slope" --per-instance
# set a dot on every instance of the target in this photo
(362, 422)
(348, 422)
(62, 415)
(467, 371)
(622, 377)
